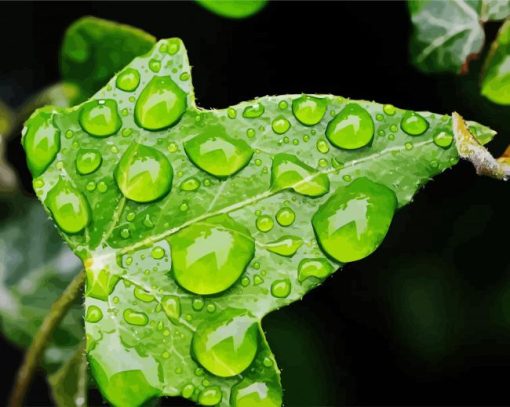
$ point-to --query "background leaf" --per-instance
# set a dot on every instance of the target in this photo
(252, 187)
(233, 8)
(8, 180)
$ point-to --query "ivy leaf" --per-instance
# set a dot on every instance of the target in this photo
(34, 269)
(194, 224)
(448, 34)
(93, 50)
(8, 180)
(233, 8)
(496, 74)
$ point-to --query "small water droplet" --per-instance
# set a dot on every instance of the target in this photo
(309, 110)
(282, 105)
(190, 184)
(172, 307)
(198, 304)
(211, 307)
(322, 146)
(143, 174)
(267, 362)
(173, 45)
(147, 222)
(318, 268)
(250, 393)
(257, 280)
(69, 134)
(253, 111)
(281, 288)
(264, 223)
(143, 295)
(91, 186)
(160, 105)
(408, 146)
(413, 123)
(285, 246)
(88, 161)
(390, 110)
(102, 187)
(158, 253)
(100, 118)
(68, 206)
(280, 125)
(125, 233)
(94, 314)
(155, 65)
(250, 133)
(210, 396)
(187, 391)
(231, 113)
(285, 216)
(443, 139)
(351, 129)
(128, 80)
(136, 318)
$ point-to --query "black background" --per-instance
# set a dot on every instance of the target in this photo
(424, 320)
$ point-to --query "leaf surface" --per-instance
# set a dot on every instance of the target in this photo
(447, 34)
(194, 224)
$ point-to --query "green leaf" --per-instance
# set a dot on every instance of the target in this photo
(233, 8)
(448, 34)
(94, 50)
(496, 74)
(8, 180)
(69, 384)
(194, 224)
(34, 269)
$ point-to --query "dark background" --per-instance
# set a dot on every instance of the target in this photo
(424, 320)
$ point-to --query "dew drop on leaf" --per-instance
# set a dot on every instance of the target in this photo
(353, 222)
(281, 288)
(100, 118)
(280, 125)
(210, 396)
(322, 146)
(160, 104)
(208, 258)
(443, 139)
(318, 268)
(285, 246)
(93, 314)
(190, 184)
(351, 129)
(143, 174)
(88, 161)
(264, 223)
(309, 110)
(133, 317)
(128, 80)
(285, 216)
(226, 344)
(172, 307)
(413, 123)
(68, 206)
(250, 393)
(253, 111)
(158, 252)
(143, 295)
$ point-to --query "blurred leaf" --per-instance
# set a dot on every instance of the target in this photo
(448, 34)
(8, 181)
(35, 267)
(69, 384)
(94, 50)
(233, 8)
(178, 282)
(496, 73)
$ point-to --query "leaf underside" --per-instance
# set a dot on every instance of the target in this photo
(194, 224)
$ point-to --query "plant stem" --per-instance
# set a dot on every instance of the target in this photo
(33, 354)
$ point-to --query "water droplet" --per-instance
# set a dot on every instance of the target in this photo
(267, 362)
(257, 280)
(217, 153)
(68, 206)
(158, 253)
(147, 222)
(88, 161)
(173, 45)
(285, 246)
(143, 295)
(290, 172)
(285, 216)
(390, 110)
(136, 318)
(250, 133)
(227, 344)
(354, 221)
(41, 142)
(130, 216)
(249, 393)
(100, 118)
(94, 314)
(351, 129)
(187, 391)
(280, 125)
(253, 111)
(408, 146)
(190, 184)
(155, 65)
(323, 163)
(161, 104)
(172, 148)
(209, 258)
(443, 139)
(414, 124)
(231, 113)
(183, 207)
(211, 307)
(264, 223)
(91, 186)
(172, 307)
(102, 187)
(379, 117)
(69, 134)
(281, 288)
(282, 105)
(210, 396)
(128, 80)
(309, 110)
(318, 268)
(143, 174)
(322, 146)
(125, 233)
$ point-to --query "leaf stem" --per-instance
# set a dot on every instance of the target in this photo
(33, 354)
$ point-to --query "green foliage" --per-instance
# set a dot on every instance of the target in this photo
(93, 50)
(496, 76)
(447, 34)
(7, 176)
(233, 8)
(194, 224)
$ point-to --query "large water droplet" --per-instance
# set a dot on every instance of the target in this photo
(413, 123)
(249, 393)
(217, 153)
(100, 118)
(281, 288)
(143, 174)
(208, 258)
(318, 268)
(352, 128)
(136, 318)
(160, 104)
(285, 246)
(88, 161)
(354, 221)
(128, 80)
(172, 307)
(309, 110)
(227, 344)
(210, 396)
(280, 125)
(68, 206)
(285, 216)
(290, 172)
(41, 142)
